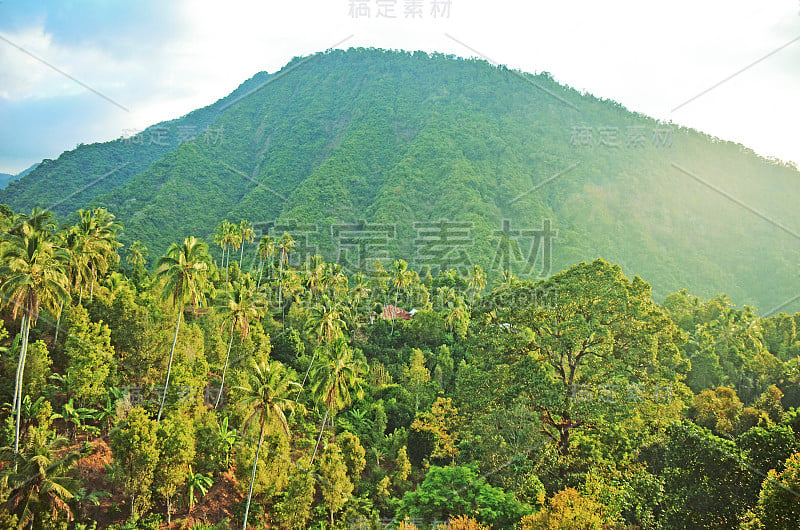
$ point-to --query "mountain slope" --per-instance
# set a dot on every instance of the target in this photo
(399, 139)
(68, 183)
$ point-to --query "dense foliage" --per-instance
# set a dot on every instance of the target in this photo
(280, 397)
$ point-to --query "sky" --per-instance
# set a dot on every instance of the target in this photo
(86, 71)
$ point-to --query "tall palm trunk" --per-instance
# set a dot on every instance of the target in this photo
(260, 270)
(26, 324)
(225, 266)
(303, 385)
(58, 322)
(253, 474)
(324, 420)
(169, 366)
(241, 255)
(280, 293)
(224, 369)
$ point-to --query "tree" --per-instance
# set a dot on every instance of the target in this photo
(335, 485)
(452, 491)
(401, 279)
(718, 410)
(34, 279)
(247, 235)
(268, 396)
(441, 422)
(569, 509)
(176, 447)
(137, 254)
(603, 330)
(90, 356)
(39, 483)
(238, 307)
(183, 270)
(98, 245)
(778, 500)
(476, 281)
(134, 444)
(353, 454)
(294, 510)
(266, 251)
(334, 378)
(285, 247)
(417, 375)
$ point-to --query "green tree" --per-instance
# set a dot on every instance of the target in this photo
(777, 502)
(268, 396)
(335, 484)
(134, 444)
(32, 268)
(247, 235)
(238, 307)
(451, 491)
(266, 252)
(175, 447)
(602, 330)
(294, 509)
(334, 378)
(417, 375)
(183, 270)
(90, 358)
(39, 482)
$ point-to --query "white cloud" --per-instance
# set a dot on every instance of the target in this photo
(163, 62)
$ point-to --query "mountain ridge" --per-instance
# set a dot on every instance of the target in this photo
(405, 139)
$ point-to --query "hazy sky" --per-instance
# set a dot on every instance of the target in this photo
(155, 60)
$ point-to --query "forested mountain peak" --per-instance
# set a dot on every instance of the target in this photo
(524, 173)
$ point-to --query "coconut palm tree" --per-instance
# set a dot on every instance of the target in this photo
(334, 378)
(184, 269)
(247, 235)
(32, 268)
(99, 246)
(38, 482)
(476, 281)
(137, 254)
(266, 251)
(221, 237)
(268, 394)
(402, 278)
(238, 307)
(285, 247)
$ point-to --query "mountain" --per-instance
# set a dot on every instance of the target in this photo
(448, 161)
(6, 178)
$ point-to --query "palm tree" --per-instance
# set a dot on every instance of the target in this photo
(38, 482)
(247, 235)
(184, 269)
(137, 254)
(99, 246)
(402, 278)
(268, 396)
(325, 322)
(34, 278)
(266, 250)
(238, 307)
(334, 378)
(476, 281)
(285, 247)
(221, 237)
